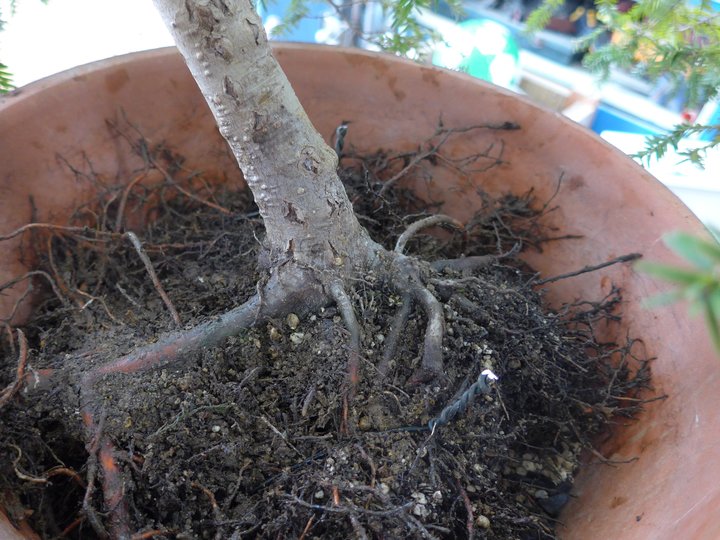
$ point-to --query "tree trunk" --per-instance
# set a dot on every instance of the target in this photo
(314, 241)
(309, 220)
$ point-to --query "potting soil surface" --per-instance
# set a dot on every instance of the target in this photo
(248, 439)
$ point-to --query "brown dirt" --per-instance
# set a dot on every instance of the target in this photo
(245, 440)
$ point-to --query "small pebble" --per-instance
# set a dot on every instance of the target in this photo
(482, 521)
(297, 337)
(419, 497)
(541, 494)
(554, 505)
(420, 511)
(216, 429)
(319, 494)
(293, 321)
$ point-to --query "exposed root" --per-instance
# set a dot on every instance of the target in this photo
(217, 513)
(79, 232)
(32, 273)
(73, 525)
(114, 490)
(360, 531)
(307, 527)
(45, 478)
(171, 349)
(466, 265)
(460, 405)
(337, 291)
(424, 223)
(592, 268)
(147, 535)
(470, 522)
(185, 192)
(9, 392)
(463, 264)
(340, 509)
(177, 346)
(431, 365)
(432, 148)
(393, 338)
(123, 200)
(93, 446)
(360, 485)
(135, 241)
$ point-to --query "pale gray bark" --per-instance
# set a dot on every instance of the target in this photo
(315, 243)
(291, 171)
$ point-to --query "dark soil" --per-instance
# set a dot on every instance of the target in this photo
(245, 440)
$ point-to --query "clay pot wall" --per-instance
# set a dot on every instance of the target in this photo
(673, 489)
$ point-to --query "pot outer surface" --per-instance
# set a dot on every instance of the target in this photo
(673, 489)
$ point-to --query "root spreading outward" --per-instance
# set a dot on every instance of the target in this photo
(431, 309)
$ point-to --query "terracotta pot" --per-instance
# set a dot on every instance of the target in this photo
(673, 489)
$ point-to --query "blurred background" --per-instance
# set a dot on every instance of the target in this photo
(487, 39)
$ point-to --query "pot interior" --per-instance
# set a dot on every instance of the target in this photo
(670, 490)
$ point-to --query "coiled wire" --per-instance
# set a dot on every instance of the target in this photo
(460, 405)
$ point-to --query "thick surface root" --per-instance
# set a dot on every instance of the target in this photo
(300, 412)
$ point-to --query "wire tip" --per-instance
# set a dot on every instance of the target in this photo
(489, 374)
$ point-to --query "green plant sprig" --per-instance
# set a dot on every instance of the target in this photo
(698, 284)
